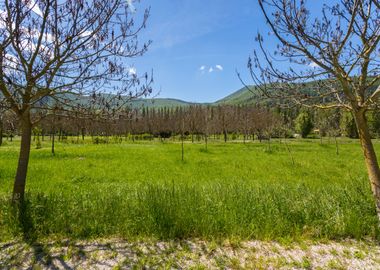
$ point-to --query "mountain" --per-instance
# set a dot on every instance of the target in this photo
(159, 103)
(249, 95)
(241, 96)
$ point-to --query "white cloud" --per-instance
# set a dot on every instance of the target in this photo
(132, 71)
(313, 65)
(85, 34)
(35, 8)
(10, 61)
(131, 6)
(203, 69)
(3, 15)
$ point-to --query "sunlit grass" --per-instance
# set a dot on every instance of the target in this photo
(143, 189)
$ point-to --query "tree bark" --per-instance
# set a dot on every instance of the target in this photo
(53, 140)
(22, 168)
(182, 138)
(1, 130)
(369, 156)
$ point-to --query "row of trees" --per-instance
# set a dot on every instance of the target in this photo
(248, 121)
(165, 122)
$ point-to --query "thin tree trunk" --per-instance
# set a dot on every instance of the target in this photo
(369, 157)
(53, 140)
(290, 152)
(336, 146)
(20, 179)
(182, 146)
(1, 130)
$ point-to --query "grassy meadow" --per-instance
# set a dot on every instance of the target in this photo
(297, 190)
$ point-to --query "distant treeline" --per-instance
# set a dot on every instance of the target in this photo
(196, 122)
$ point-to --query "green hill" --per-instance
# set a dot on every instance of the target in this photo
(245, 96)
(241, 96)
(159, 103)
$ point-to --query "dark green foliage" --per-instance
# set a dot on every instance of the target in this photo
(99, 140)
(37, 133)
(304, 124)
(348, 125)
(374, 122)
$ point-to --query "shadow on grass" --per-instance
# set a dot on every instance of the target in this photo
(30, 251)
(33, 253)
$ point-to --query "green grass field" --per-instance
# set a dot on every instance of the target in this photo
(232, 190)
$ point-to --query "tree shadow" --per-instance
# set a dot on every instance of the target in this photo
(31, 251)
(35, 251)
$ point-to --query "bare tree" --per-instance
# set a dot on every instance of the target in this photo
(3, 111)
(58, 52)
(334, 62)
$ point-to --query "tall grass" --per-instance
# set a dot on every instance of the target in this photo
(232, 190)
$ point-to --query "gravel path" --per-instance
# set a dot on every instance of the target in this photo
(194, 254)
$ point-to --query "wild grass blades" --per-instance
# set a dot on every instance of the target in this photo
(232, 190)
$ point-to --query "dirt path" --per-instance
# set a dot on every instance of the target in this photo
(196, 254)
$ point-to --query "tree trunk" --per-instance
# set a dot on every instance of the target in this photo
(369, 156)
(1, 131)
(53, 141)
(83, 134)
(182, 138)
(53, 135)
(20, 179)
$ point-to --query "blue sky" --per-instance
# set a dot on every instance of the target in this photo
(191, 37)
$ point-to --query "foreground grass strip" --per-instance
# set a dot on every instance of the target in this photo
(229, 191)
(189, 254)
